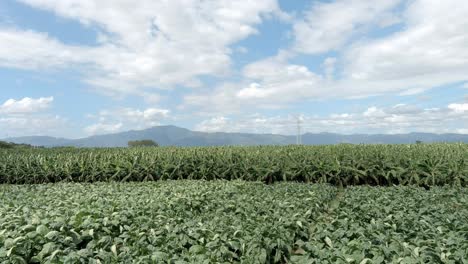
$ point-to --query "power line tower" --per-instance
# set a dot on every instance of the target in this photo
(299, 134)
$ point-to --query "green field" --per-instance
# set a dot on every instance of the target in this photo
(341, 165)
(231, 221)
(294, 204)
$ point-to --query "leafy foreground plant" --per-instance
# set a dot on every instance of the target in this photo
(231, 221)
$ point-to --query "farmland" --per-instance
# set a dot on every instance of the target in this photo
(294, 204)
(231, 221)
(340, 165)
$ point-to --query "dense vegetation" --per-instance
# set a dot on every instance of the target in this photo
(142, 143)
(231, 222)
(341, 165)
(10, 145)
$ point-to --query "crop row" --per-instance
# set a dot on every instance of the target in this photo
(231, 222)
(342, 165)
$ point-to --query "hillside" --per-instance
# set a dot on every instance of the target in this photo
(176, 136)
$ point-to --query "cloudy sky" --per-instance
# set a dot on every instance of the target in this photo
(75, 68)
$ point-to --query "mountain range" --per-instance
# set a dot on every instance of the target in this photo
(176, 136)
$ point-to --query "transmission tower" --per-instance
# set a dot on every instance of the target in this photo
(299, 135)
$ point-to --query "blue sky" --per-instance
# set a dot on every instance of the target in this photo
(74, 68)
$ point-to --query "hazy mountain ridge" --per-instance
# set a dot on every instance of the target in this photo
(176, 136)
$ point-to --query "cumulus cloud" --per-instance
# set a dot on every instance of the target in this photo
(277, 82)
(147, 45)
(111, 121)
(142, 44)
(330, 25)
(431, 50)
(459, 108)
(400, 118)
(33, 50)
(273, 83)
(268, 83)
(425, 53)
(26, 105)
(215, 124)
(373, 112)
(102, 128)
(27, 125)
(255, 123)
(29, 116)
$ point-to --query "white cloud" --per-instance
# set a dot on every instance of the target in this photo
(143, 44)
(248, 124)
(396, 119)
(29, 116)
(462, 131)
(32, 50)
(373, 112)
(413, 91)
(146, 45)
(430, 51)
(214, 124)
(459, 108)
(26, 105)
(267, 84)
(111, 121)
(29, 125)
(402, 109)
(151, 98)
(329, 26)
(148, 115)
(102, 128)
(253, 91)
(424, 54)
(274, 83)
(329, 67)
(271, 82)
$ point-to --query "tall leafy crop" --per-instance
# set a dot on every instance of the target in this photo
(342, 165)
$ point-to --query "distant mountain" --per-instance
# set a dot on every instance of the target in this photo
(176, 136)
(331, 138)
